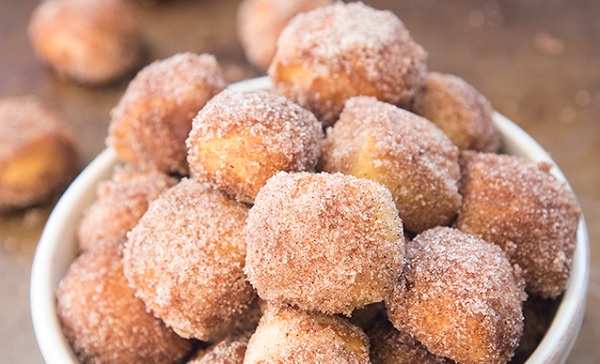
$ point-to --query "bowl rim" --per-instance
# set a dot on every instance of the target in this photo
(61, 225)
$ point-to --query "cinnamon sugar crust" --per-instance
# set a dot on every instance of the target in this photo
(332, 53)
(406, 153)
(324, 242)
(519, 205)
(185, 260)
(242, 138)
(460, 297)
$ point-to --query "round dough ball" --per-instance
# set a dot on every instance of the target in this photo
(91, 42)
(38, 153)
(390, 346)
(104, 321)
(457, 108)
(185, 260)
(119, 205)
(240, 139)
(406, 153)
(332, 53)
(460, 297)
(151, 122)
(288, 335)
(259, 23)
(324, 242)
(520, 206)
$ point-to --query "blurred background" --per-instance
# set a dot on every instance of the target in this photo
(537, 61)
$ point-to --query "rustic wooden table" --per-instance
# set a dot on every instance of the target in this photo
(537, 61)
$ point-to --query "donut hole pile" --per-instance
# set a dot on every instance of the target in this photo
(327, 221)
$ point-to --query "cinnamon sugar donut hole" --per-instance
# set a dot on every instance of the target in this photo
(406, 153)
(519, 205)
(460, 297)
(259, 23)
(242, 138)
(91, 42)
(288, 335)
(323, 242)
(332, 53)
(185, 260)
(390, 346)
(38, 153)
(457, 108)
(119, 205)
(104, 321)
(150, 123)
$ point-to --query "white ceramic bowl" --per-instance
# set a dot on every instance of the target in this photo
(57, 247)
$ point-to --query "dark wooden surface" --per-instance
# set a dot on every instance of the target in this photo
(538, 61)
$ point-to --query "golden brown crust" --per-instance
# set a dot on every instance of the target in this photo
(325, 242)
(119, 204)
(150, 123)
(185, 260)
(92, 42)
(38, 153)
(457, 108)
(242, 138)
(406, 153)
(520, 206)
(286, 335)
(460, 297)
(332, 53)
(104, 321)
(259, 23)
(390, 346)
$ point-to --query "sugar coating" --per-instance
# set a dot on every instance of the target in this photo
(461, 111)
(324, 242)
(38, 153)
(406, 153)
(92, 43)
(185, 260)
(120, 203)
(103, 320)
(230, 350)
(459, 296)
(242, 138)
(288, 335)
(150, 123)
(334, 52)
(390, 346)
(259, 23)
(519, 205)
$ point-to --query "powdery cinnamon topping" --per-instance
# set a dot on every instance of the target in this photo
(335, 52)
(103, 320)
(406, 153)
(38, 153)
(119, 204)
(520, 206)
(230, 350)
(390, 346)
(288, 335)
(457, 108)
(185, 260)
(325, 242)
(150, 123)
(242, 138)
(460, 297)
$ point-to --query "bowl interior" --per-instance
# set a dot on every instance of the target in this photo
(57, 249)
